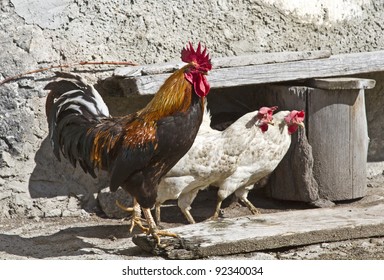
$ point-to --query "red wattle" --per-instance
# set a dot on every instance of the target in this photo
(199, 82)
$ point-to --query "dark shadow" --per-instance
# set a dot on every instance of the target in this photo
(51, 178)
(51, 246)
(204, 205)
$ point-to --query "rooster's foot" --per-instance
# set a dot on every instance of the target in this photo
(136, 219)
(138, 222)
(156, 233)
(153, 230)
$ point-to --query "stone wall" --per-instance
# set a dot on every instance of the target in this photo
(41, 33)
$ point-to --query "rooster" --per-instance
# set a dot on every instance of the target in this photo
(212, 158)
(137, 149)
(263, 155)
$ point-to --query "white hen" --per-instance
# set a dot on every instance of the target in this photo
(213, 157)
(263, 155)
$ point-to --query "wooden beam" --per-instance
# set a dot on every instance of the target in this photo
(270, 231)
(223, 62)
(337, 65)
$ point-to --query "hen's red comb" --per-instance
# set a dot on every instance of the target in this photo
(265, 113)
(199, 58)
(295, 117)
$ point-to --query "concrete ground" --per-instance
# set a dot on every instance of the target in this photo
(92, 236)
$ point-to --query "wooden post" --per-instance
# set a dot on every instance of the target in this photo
(337, 131)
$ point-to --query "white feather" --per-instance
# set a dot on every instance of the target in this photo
(97, 108)
(212, 158)
(232, 160)
(101, 106)
(259, 160)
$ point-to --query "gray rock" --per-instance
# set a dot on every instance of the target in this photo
(108, 205)
(53, 213)
(322, 203)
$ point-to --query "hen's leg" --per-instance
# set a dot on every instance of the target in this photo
(153, 230)
(158, 213)
(242, 194)
(136, 215)
(188, 215)
(217, 210)
(250, 206)
(184, 202)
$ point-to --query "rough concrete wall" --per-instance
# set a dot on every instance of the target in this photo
(39, 33)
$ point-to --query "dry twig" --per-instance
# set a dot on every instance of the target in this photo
(81, 63)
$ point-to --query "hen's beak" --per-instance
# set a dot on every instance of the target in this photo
(262, 122)
(301, 124)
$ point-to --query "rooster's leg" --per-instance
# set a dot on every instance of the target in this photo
(153, 230)
(136, 215)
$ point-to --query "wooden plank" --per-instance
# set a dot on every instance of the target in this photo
(152, 69)
(223, 62)
(270, 231)
(267, 58)
(337, 65)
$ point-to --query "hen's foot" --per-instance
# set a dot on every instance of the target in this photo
(218, 212)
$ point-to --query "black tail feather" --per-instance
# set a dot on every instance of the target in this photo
(72, 108)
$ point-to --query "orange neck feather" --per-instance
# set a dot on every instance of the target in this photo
(174, 95)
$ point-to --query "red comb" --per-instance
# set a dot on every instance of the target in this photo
(295, 116)
(267, 110)
(199, 58)
(294, 119)
(266, 113)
